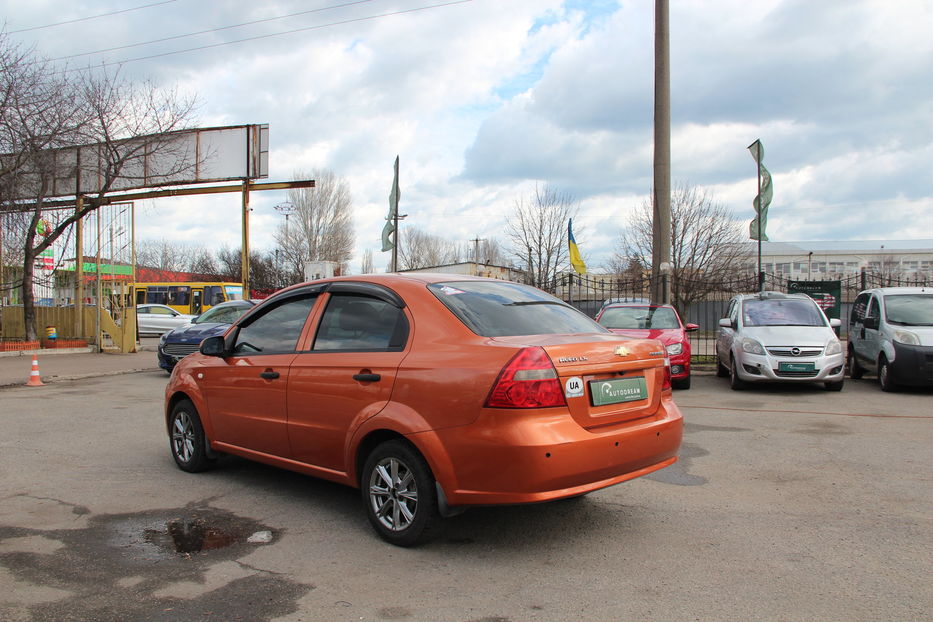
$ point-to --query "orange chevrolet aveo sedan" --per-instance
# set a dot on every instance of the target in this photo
(428, 392)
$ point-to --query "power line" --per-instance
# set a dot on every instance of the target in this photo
(210, 30)
(279, 34)
(84, 19)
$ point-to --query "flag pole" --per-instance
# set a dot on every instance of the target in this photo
(761, 276)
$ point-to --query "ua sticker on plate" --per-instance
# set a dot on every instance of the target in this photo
(574, 387)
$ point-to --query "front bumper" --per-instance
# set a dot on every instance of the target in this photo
(768, 368)
(912, 365)
(508, 457)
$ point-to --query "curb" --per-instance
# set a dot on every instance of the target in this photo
(53, 378)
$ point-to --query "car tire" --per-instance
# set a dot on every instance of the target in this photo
(835, 386)
(399, 493)
(735, 383)
(681, 383)
(884, 375)
(721, 370)
(187, 439)
(855, 370)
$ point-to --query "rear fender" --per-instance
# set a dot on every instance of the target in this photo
(402, 420)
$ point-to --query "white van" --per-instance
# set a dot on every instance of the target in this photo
(891, 334)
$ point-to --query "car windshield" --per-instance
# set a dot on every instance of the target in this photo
(639, 317)
(909, 309)
(782, 312)
(500, 309)
(221, 315)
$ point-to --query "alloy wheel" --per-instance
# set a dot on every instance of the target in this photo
(393, 494)
(183, 437)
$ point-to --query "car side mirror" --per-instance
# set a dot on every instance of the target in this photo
(213, 346)
(835, 323)
(725, 322)
(691, 327)
(870, 322)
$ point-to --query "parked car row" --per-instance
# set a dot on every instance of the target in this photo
(775, 337)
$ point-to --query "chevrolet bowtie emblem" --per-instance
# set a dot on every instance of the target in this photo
(622, 351)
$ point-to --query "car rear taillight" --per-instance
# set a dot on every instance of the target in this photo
(667, 375)
(529, 380)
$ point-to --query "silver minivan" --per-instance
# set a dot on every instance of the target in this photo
(891, 334)
(776, 337)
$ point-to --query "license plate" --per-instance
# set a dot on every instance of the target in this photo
(795, 367)
(618, 391)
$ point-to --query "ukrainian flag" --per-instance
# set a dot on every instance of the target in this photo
(575, 260)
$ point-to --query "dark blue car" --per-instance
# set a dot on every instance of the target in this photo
(182, 341)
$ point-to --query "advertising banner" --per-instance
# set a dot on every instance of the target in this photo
(827, 294)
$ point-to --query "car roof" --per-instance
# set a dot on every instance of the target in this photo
(773, 296)
(893, 291)
(635, 304)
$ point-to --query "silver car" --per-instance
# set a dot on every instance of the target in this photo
(153, 319)
(775, 337)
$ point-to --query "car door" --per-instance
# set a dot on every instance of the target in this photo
(871, 342)
(857, 328)
(726, 334)
(348, 373)
(246, 391)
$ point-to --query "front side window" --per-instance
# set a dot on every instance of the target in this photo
(875, 309)
(859, 308)
(353, 322)
(782, 312)
(159, 311)
(275, 331)
(909, 309)
(502, 308)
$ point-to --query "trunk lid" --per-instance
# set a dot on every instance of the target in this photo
(607, 379)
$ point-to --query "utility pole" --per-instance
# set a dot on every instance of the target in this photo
(661, 243)
(476, 242)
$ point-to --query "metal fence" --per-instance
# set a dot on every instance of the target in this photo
(704, 302)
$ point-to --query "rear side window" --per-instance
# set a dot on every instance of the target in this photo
(501, 308)
(353, 322)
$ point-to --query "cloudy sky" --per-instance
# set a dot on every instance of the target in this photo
(483, 99)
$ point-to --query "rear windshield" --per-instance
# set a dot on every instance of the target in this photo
(502, 309)
(909, 309)
(782, 312)
(639, 317)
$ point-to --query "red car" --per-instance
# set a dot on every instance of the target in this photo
(429, 393)
(648, 321)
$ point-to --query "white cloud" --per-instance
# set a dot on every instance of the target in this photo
(484, 99)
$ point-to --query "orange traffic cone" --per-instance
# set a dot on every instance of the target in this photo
(34, 379)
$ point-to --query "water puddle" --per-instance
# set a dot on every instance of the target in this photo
(188, 532)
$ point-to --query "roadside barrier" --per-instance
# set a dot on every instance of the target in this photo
(34, 379)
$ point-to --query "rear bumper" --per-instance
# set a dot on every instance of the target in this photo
(509, 457)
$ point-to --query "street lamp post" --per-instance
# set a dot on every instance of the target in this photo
(288, 209)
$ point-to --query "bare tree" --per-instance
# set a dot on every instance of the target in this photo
(321, 227)
(263, 272)
(367, 265)
(44, 110)
(492, 253)
(537, 229)
(165, 255)
(420, 249)
(707, 246)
